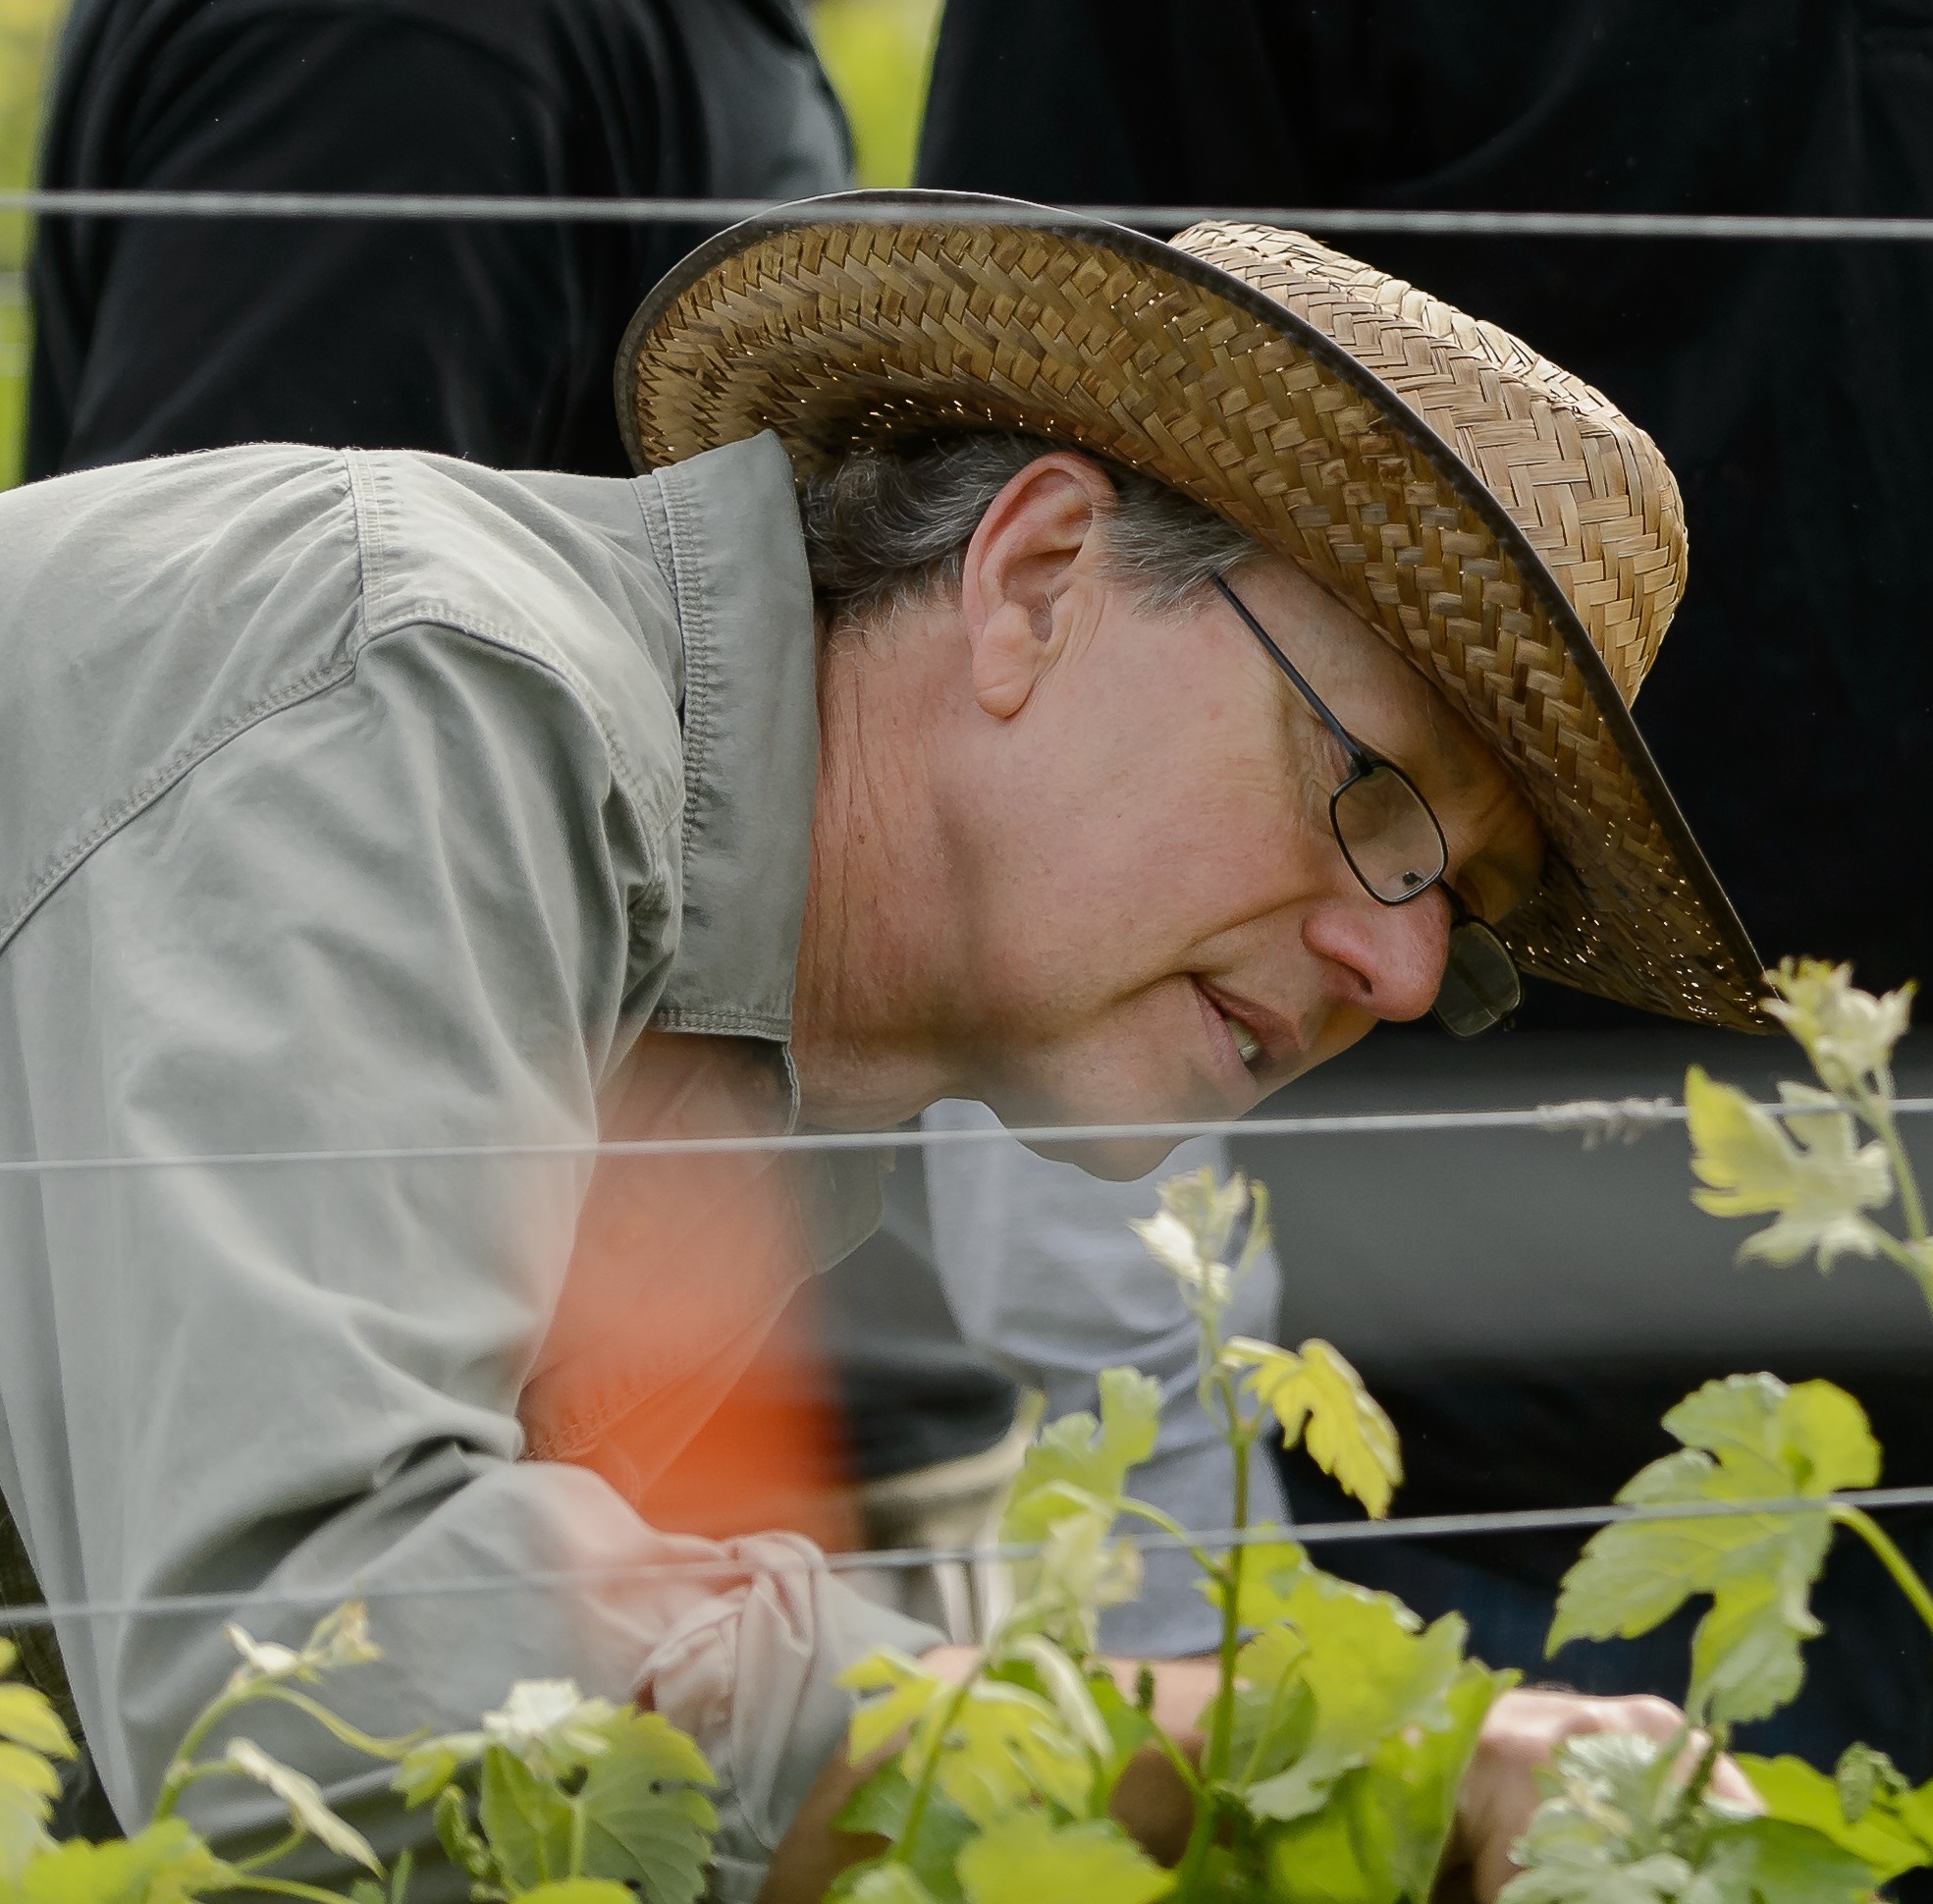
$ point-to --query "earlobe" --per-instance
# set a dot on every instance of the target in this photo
(1006, 661)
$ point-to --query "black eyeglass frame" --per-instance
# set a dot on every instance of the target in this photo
(1362, 764)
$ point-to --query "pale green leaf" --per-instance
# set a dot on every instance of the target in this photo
(1372, 1675)
(426, 1770)
(165, 1864)
(29, 1718)
(526, 1820)
(881, 1883)
(1079, 1461)
(1749, 1438)
(28, 1784)
(1274, 1708)
(1847, 1034)
(550, 1725)
(576, 1891)
(1882, 1833)
(307, 1809)
(905, 1692)
(1321, 1400)
(1776, 1862)
(1027, 1859)
(1004, 1747)
(643, 1823)
(880, 1807)
(1380, 1836)
(1809, 1172)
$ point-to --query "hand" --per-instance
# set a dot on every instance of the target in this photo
(1500, 1792)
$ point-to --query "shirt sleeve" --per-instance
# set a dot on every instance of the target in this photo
(412, 910)
(490, 339)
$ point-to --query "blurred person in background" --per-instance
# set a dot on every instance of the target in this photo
(1804, 488)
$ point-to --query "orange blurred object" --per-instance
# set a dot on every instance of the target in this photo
(677, 1365)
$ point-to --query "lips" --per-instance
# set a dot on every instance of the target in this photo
(1262, 1039)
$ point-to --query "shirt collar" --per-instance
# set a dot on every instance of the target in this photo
(725, 527)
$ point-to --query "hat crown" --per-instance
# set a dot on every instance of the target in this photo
(1591, 491)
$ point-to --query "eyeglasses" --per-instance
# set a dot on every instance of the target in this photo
(1395, 847)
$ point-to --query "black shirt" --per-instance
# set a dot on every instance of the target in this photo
(492, 341)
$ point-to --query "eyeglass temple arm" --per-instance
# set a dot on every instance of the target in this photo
(1358, 755)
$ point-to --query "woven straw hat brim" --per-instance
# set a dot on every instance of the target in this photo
(1235, 365)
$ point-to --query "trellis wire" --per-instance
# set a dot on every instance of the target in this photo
(1595, 1119)
(91, 203)
(909, 1559)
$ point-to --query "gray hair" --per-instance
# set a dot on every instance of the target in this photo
(887, 529)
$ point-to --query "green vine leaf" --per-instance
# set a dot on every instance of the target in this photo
(1003, 1745)
(879, 1882)
(29, 1786)
(1370, 1674)
(578, 1890)
(1748, 1438)
(642, 1822)
(1379, 1839)
(29, 1718)
(1319, 1399)
(1027, 1859)
(165, 1864)
(526, 1820)
(1887, 1824)
(880, 1807)
(1080, 1463)
(1809, 1172)
(1615, 1825)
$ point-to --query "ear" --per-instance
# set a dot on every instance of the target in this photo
(1040, 533)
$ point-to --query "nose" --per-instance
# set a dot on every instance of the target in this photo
(1383, 960)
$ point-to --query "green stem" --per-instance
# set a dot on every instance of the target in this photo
(1889, 1557)
(274, 1855)
(339, 1728)
(182, 1773)
(902, 1852)
(1215, 1764)
(579, 1820)
(287, 1887)
(1169, 1525)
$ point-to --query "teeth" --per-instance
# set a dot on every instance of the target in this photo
(1246, 1041)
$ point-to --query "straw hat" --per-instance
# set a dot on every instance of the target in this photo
(1493, 517)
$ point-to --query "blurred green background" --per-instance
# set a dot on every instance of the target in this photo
(877, 52)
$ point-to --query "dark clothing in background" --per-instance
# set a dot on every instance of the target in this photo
(1792, 706)
(488, 340)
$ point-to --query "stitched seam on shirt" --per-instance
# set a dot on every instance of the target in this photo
(700, 671)
(533, 648)
(157, 783)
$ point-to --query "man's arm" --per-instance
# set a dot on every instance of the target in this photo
(398, 915)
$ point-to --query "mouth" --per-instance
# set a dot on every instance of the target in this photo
(1259, 1038)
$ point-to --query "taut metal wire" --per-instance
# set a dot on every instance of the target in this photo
(733, 1564)
(1596, 1119)
(88, 202)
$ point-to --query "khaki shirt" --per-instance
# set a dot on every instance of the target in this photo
(356, 802)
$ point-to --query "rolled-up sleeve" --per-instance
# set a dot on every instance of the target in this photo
(416, 910)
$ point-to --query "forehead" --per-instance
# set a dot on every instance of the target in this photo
(1378, 693)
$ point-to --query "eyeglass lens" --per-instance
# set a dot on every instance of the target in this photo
(1481, 986)
(1393, 841)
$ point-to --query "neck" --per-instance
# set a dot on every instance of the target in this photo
(867, 1042)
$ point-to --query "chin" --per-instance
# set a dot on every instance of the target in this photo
(1119, 1159)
